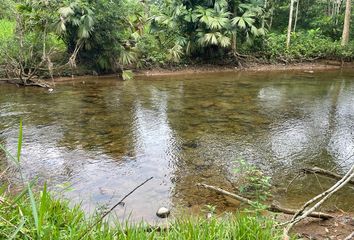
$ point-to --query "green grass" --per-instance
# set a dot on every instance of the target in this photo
(39, 216)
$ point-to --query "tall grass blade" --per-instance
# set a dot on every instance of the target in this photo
(44, 203)
(33, 206)
(19, 144)
(19, 227)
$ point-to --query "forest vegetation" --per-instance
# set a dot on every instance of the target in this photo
(48, 38)
(45, 38)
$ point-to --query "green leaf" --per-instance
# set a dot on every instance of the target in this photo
(43, 206)
(127, 57)
(127, 75)
(175, 53)
(18, 228)
(224, 41)
(65, 11)
(241, 23)
(33, 206)
(248, 20)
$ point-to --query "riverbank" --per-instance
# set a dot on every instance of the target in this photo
(309, 67)
(251, 67)
(43, 217)
(182, 70)
(25, 216)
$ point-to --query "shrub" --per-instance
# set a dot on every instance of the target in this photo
(304, 46)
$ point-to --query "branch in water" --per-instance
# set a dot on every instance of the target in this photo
(272, 208)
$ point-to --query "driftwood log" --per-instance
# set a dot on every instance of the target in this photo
(273, 208)
(324, 172)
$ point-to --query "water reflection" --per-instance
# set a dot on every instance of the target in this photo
(106, 136)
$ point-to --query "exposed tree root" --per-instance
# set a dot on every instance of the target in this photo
(32, 82)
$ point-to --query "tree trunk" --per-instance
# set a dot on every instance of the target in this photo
(345, 35)
(233, 43)
(296, 14)
(290, 23)
(263, 18)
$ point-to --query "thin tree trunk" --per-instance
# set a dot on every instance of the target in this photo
(234, 43)
(296, 14)
(345, 35)
(290, 23)
(263, 18)
(337, 10)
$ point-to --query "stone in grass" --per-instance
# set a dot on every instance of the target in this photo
(163, 212)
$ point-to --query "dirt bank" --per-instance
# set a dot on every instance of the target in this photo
(322, 65)
(205, 68)
(337, 228)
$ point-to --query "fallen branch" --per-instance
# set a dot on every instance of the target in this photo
(273, 208)
(112, 208)
(319, 199)
(326, 173)
(350, 236)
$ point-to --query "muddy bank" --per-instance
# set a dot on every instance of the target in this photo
(339, 227)
(325, 65)
(205, 68)
(185, 69)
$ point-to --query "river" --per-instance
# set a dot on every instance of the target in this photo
(102, 137)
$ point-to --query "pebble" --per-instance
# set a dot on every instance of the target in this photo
(163, 212)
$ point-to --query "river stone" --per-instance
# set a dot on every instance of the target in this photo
(163, 212)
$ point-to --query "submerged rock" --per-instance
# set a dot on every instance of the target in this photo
(163, 212)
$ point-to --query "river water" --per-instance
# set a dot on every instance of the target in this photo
(104, 136)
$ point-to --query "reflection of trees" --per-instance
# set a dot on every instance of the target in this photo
(319, 134)
(206, 116)
(100, 119)
(183, 132)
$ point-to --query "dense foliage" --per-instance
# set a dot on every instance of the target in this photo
(40, 36)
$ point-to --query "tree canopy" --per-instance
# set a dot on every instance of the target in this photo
(110, 36)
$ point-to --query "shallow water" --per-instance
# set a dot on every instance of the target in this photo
(105, 136)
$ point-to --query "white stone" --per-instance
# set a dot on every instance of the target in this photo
(163, 212)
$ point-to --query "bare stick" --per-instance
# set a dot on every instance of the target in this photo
(350, 236)
(273, 208)
(112, 208)
(308, 203)
(227, 193)
(323, 172)
(323, 197)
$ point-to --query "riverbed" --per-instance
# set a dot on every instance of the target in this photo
(93, 140)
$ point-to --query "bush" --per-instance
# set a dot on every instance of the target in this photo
(304, 46)
(7, 29)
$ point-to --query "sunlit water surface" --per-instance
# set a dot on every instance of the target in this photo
(104, 136)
